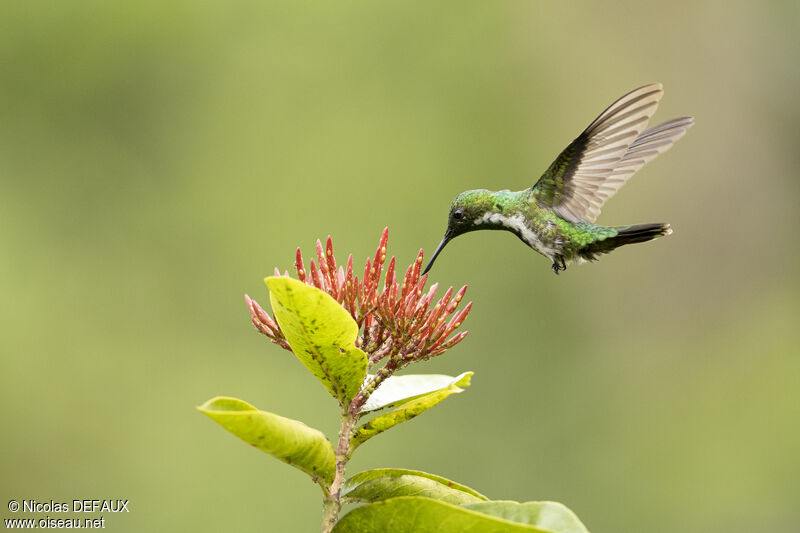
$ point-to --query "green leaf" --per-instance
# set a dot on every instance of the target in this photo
(288, 440)
(383, 483)
(405, 411)
(399, 389)
(321, 334)
(415, 514)
(548, 516)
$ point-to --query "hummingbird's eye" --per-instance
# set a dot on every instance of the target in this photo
(458, 214)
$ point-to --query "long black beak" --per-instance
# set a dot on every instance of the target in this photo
(447, 237)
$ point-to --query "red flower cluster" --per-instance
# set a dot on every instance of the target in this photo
(396, 321)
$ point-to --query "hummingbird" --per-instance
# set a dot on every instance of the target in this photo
(556, 216)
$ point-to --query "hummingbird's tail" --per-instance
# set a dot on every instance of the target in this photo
(625, 235)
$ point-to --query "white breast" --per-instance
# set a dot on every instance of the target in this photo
(517, 224)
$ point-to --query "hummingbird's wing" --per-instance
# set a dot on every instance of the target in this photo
(608, 152)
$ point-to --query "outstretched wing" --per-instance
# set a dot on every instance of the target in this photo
(608, 152)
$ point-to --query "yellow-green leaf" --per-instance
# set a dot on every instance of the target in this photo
(383, 483)
(548, 516)
(397, 390)
(321, 334)
(406, 410)
(288, 440)
(415, 514)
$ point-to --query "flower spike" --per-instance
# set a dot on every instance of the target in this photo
(396, 320)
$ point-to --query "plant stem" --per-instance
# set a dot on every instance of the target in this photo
(331, 503)
(330, 513)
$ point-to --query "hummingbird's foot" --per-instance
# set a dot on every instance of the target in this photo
(558, 264)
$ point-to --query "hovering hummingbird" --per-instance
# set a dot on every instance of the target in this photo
(556, 216)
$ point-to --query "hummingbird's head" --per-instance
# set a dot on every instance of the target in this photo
(466, 214)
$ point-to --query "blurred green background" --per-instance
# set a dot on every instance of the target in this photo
(157, 160)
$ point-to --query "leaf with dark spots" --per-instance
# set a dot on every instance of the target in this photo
(321, 334)
(287, 440)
